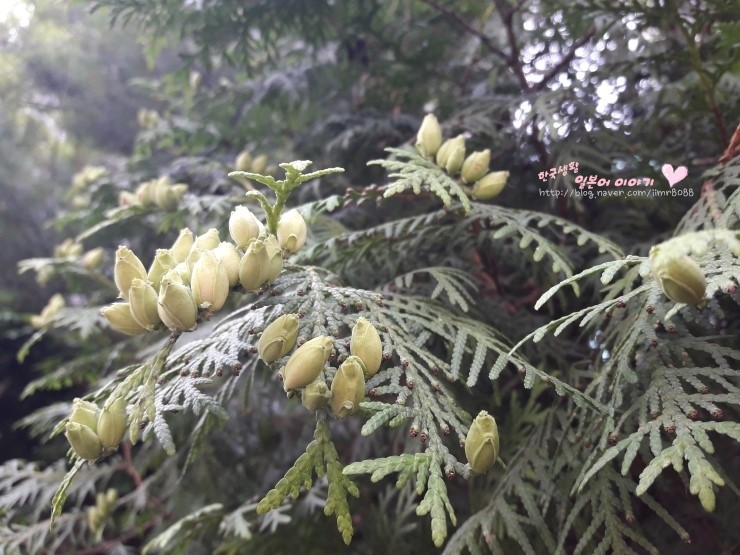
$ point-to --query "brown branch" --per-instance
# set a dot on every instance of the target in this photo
(514, 59)
(566, 59)
(128, 464)
(106, 546)
(460, 22)
(733, 149)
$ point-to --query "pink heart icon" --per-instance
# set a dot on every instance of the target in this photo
(674, 176)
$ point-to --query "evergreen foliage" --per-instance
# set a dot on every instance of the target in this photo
(617, 407)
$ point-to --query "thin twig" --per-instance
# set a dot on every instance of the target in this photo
(106, 546)
(460, 22)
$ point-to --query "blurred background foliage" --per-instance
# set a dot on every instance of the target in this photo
(180, 87)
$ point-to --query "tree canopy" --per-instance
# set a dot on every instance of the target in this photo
(460, 275)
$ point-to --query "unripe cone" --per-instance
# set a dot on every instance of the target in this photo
(243, 161)
(278, 338)
(365, 344)
(274, 255)
(476, 165)
(112, 424)
(207, 241)
(244, 226)
(482, 443)
(230, 258)
(681, 279)
(111, 496)
(128, 267)
(292, 231)
(259, 163)
(451, 154)
(307, 362)
(163, 260)
(145, 193)
(316, 395)
(143, 304)
(120, 319)
(95, 518)
(170, 198)
(83, 440)
(193, 257)
(182, 245)
(253, 266)
(429, 136)
(490, 185)
(183, 272)
(85, 413)
(92, 258)
(161, 193)
(209, 282)
(52, 308)
(176, 305)
(127, 198)
(348, 388)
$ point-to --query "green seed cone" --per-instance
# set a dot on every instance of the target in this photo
(209, 282)
(120, 319)
(316, 395)
(348, 387)
(243, 161)
(164, 260)
(365, 344)
(490, 185)
(278, 338)
(682, 280)
(93, 258)
(143, 304)
(244, 227)
(476, 165)
(253, 266)
(112, 424)
(85, 413)
(429, 136)
(274, 255)
(84, 441)
(228, 255)
(182, 245)
(183, 273)
(145, 193)
(307, 362)
(176, 305)
(482, 443)
(259, 163)
(127, 268)
(207, 241)
(451, 155)
(292, 231)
